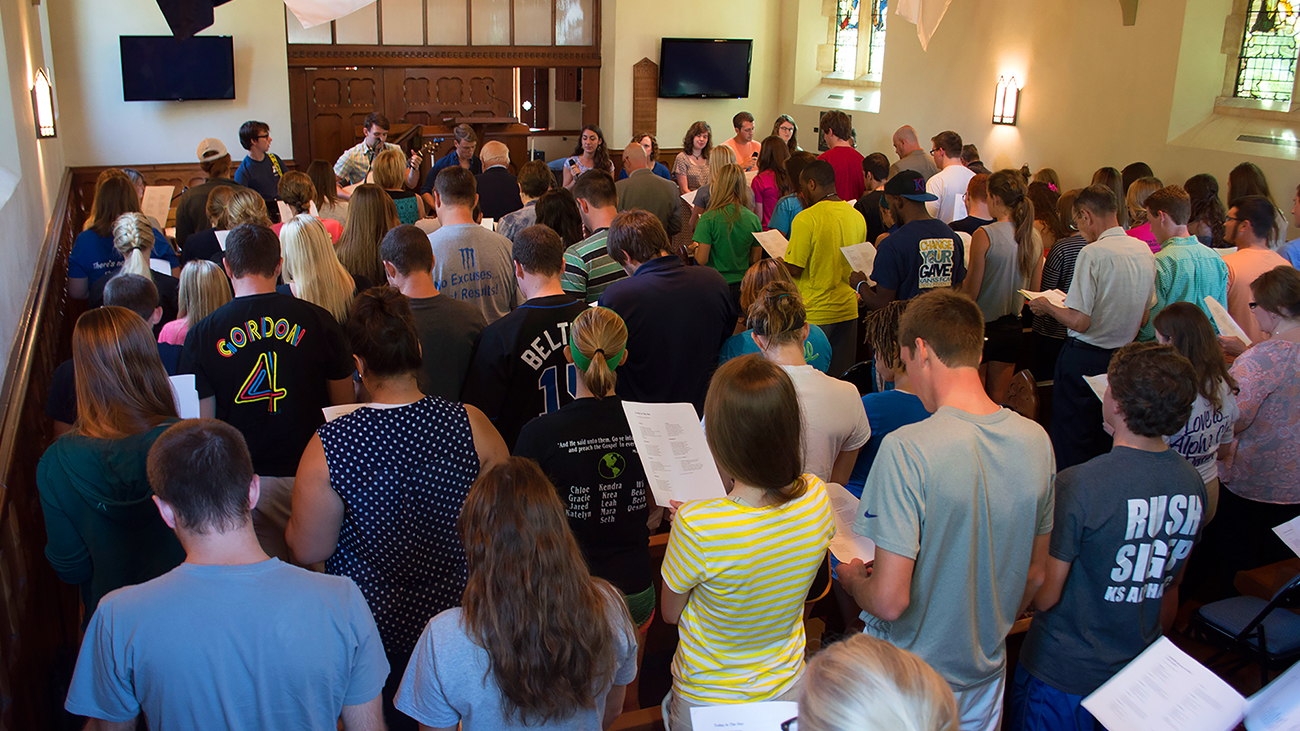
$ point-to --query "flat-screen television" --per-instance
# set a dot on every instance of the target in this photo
(704, 68)
(162, 68)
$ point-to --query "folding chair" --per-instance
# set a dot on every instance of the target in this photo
(1261, 631)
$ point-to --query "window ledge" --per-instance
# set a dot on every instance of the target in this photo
(844, 80)
(836, 94)
(1255, 109)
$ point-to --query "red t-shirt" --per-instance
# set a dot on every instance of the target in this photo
(850, 181)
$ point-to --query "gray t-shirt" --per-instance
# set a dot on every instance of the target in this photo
(449, 679)
(1124, 521)
(964, 496)
(259, 646)
(448, 330)
(1000, 287)
(473, 264)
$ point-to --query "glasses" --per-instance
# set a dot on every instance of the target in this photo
(786, 128)
(934, 151)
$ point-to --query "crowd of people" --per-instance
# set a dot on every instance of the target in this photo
(412, 497)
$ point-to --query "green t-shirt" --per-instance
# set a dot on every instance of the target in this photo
(816, 236)
(730, 242)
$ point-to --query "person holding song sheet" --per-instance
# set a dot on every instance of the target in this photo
(587, 452)
(739, 613)
(1124, 524)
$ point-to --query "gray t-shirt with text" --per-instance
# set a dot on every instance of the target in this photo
(1125, 521)
(964, 496)
(257, 646)
(474, 265)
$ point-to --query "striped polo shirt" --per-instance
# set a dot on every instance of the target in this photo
(742, 635)
(589, 269)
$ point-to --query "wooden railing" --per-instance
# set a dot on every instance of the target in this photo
(39, 614)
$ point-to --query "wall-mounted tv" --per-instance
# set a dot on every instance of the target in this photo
(704, 68)
(162, 68)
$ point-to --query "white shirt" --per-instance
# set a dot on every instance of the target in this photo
(834, 419)
(1114, 285)
(949, 185)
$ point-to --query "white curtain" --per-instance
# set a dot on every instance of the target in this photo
(925, 14)
(314, 12)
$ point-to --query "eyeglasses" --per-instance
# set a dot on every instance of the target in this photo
(786, 128)
(934, 151)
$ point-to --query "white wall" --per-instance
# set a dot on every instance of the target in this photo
(30, 170)
(101, 129)
(631, 31)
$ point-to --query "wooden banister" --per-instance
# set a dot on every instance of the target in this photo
(39, 614)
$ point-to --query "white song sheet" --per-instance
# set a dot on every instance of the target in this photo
(1227, 325)
(1164, 689)
(186, 395)
(1098, 383)
(847, 545)
(1055, 296)
(862, 257)
(1289, 532)
(673, 450)
(763, 716)
(773, 243)
(690, 197)
(157, 202)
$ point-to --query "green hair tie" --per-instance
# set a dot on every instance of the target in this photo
(582, 361)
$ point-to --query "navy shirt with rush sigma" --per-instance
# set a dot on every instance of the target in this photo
(519, 371)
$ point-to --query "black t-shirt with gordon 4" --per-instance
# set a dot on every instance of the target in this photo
(586, 450)
(268, 358)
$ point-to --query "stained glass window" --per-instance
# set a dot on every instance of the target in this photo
(848, 33)
(1266, 69)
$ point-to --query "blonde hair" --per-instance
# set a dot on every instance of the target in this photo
(866, 684)
(246, 206)
(218, 202)
(203, 289)
(722, 156)
(389, 169)
(1136, 197)
(297, 191)
(778, 314)
(122, 388)
(313, 268)
(133, 239)
(728, 189)
(371, 215)
(599, 329)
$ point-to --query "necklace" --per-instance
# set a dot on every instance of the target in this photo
(1276, 332)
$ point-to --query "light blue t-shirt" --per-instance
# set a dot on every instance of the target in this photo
(816, 349)
(1291, 252)
(783, 215)
(449, 679)
(259, 646)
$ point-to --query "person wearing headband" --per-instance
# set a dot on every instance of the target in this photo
(586, 450)
(835, 422)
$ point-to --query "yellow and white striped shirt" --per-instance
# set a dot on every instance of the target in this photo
(748, 571)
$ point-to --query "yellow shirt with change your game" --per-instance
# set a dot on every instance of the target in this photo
(816, 236)
(742, 636)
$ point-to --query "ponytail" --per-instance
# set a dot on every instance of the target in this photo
(597, 344)
(1009, 187)
(133, 239)
(778, 313)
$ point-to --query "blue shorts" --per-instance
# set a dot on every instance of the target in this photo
(1037, 706)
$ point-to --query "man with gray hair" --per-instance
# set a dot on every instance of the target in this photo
(647, 191)
(910, 154)
(498, 190)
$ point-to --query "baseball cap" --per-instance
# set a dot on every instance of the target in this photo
(211, 149)
(909, 184)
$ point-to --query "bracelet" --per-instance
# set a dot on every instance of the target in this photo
(858, 289)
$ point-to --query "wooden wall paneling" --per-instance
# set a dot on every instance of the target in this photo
(338, 100)
(566, 85)
(590, 78)
(645, 97)
(535, 87)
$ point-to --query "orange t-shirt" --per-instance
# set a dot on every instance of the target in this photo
(1244, 267)
(746, 155)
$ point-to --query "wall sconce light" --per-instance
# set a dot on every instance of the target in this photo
(43, 105)
(1006, 101)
